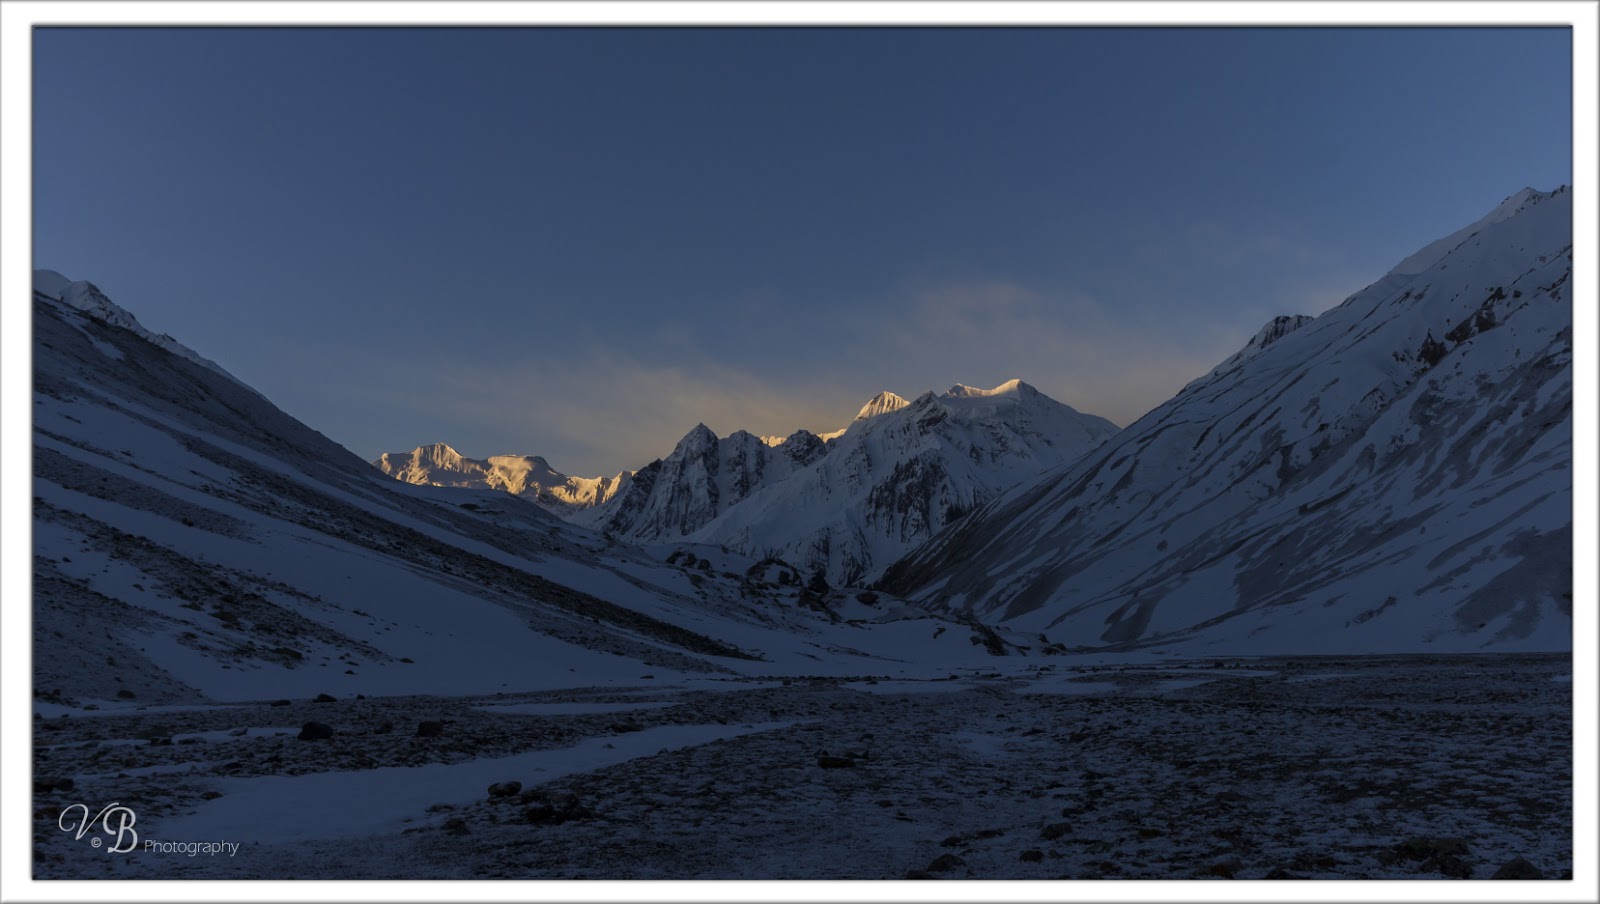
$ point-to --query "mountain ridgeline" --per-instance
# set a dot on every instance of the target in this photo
(528, 476)
(842, 504)
(1395, 474)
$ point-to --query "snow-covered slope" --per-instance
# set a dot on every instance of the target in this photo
(845, 508)
(87, 297)
(529, 476)
(193, 542)
(1395, 474)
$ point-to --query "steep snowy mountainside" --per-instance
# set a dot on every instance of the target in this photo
(846, 507)
(1392, 475)
(87, 297)
(529, 476)
(203, 544)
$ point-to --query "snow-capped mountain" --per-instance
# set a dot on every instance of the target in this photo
(529, 476)
(193, 542)
(1395, 474)
(704, 476)
(850, 505)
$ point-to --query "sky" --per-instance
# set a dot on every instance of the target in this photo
(578, 243)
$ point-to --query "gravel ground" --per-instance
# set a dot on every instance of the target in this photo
(1381, 767)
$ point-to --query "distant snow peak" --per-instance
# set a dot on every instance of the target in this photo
(845, 504)
(882, 403)
(963, 391)
(529, 476)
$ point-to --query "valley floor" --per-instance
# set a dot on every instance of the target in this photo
(1328, 768)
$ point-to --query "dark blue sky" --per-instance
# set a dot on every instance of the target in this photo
(578, 243)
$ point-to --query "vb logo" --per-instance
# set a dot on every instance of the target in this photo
(115, 820)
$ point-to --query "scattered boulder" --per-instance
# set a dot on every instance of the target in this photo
(124, 694)
(1055, 830)
(1227, 869)
(315, 731)
(47, 785)
(1031, 856)
(1443, 855)
(626, 726)
(455, 825)
(1518, 868)
(210, 795)
(430, 729)
(325, 698)
(944, 863)
(551, 808)
(384, 727)
(504, 789)
(835, 762)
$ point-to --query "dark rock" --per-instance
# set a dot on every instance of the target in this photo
(1518, 868)
(920, 874)
(1226, 869)
(1055, 830)
(944, 863)
(1031, 856)
(952, 841)
(124, 694)
(455, 825)
(210, 795)
(46, 785)
(279, 703)
(384, 727)
(625, 727)
(504, 789)
(553, 807)
(325, 698)
(835, 762)
(1442, 855)
(430, 729)
(1229, 797)
(315, 731)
